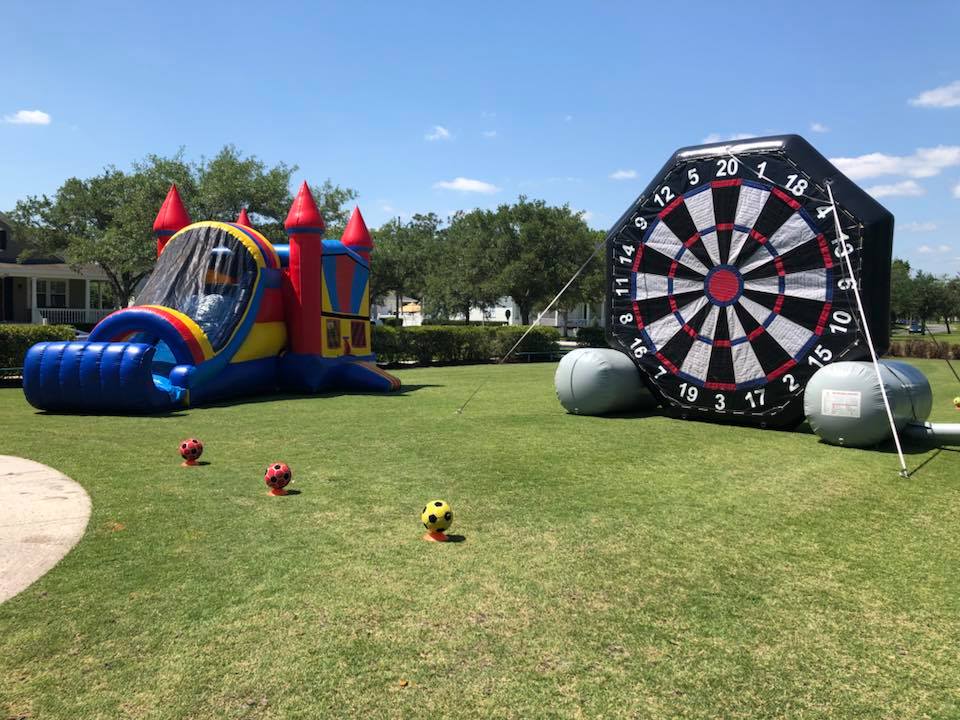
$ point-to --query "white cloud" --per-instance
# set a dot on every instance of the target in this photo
(623, 175)
(717, 137)
(927, 250)
(941, 97)
(819, 127)
(462, 184)
(489, 133)
(919, 227)
(956, 190)
(568, 118)
(439, 133)
(28, 117)
(586, 215)
(907, 188)
(925, 162)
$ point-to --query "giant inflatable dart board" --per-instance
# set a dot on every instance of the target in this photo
(727, 283)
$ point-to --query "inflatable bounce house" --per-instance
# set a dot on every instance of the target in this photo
(224, 313)
(735, 284)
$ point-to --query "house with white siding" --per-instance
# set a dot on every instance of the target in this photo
(47, 290)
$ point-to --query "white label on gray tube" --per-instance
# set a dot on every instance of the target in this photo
(840, 403)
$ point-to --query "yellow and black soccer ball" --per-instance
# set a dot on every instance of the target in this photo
(956, 402)
(437, 516)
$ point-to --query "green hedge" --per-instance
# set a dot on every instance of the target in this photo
(924, 349)
(458, 344)
(592, 337)
(462, 323)
(15, 340)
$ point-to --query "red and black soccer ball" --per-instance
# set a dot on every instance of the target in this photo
(277, 476)
(191, 449)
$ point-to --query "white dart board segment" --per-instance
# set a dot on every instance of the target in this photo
(727, 283)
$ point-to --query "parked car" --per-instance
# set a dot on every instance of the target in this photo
(916, 328)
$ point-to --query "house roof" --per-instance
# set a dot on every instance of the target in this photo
(56, 270)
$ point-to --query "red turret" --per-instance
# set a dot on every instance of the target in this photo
(357, 237)
(172, 218)
(305, 226)
(244, 219)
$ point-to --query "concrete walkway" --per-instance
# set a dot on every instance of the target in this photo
(42, 515)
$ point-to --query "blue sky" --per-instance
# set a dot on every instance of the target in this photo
(426, 106)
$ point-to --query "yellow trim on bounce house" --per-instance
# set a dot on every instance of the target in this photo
(198, 334)
(240, 235)
(258, 258)
(264, 340)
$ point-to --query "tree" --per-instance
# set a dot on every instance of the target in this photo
(590, 287)
(903, 298)
(929, 295)
(461, 273)
(951, 300)
(107, 219)
(537, 249)
(401, 254)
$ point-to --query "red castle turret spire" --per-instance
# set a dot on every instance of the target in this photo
(244, 219)
(172, 218)
(305, 226)
(304, 215)
(357, 237)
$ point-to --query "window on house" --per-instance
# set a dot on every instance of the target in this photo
(3, 239)
(101, 295)
(52, 293)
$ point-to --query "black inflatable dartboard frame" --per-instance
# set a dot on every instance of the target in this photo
(868, 225)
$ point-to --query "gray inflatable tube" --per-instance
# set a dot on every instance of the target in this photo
(844, 406)
(599, 381)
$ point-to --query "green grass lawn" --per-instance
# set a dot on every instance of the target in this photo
(902, 333)
(629, 567)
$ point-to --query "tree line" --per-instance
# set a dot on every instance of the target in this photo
(107, 219)
(922, 296)
(526, 250)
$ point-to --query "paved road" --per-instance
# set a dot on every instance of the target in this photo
(43, 514)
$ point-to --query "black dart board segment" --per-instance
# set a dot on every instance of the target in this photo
(728, 285)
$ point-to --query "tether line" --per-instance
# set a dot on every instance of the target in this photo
(537, 321)
(841, 238)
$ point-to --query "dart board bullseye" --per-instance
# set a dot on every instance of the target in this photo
(723, 285)
(729, 285)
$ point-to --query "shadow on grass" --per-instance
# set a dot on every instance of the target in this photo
(643, 413)
(275, 396)
(936, 453)
(115, 413)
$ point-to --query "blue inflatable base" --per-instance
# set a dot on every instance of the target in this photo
(126, 377)
(95, 376)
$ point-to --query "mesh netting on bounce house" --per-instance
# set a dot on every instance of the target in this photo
(732, 280)
(224, 313)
